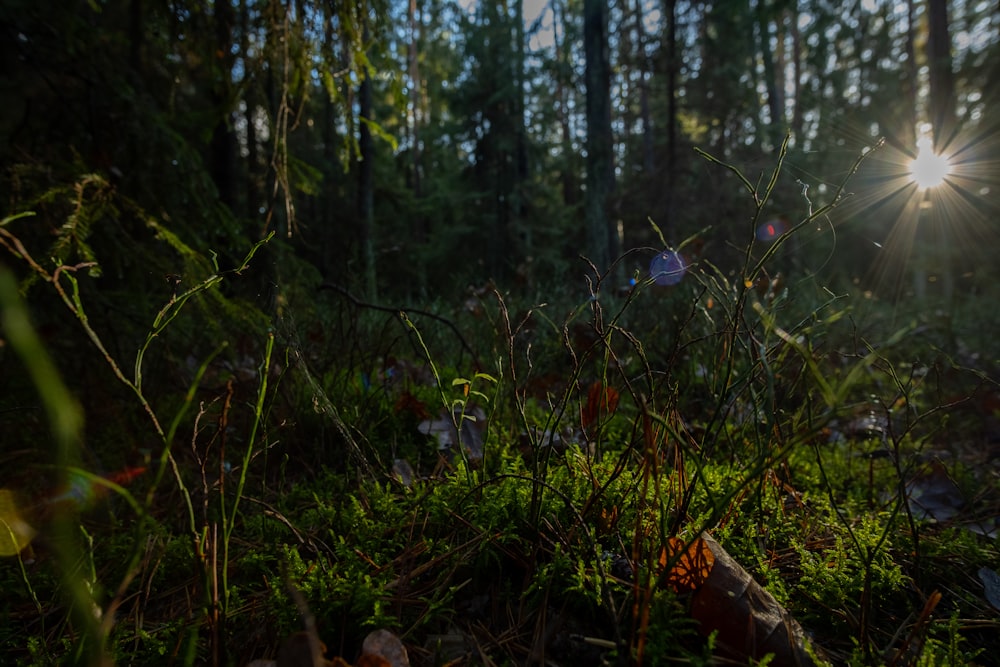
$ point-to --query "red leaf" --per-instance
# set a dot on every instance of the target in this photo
(407, 402)
(126, 475)
(601, 402)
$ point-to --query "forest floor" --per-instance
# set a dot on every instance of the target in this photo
(667, 477)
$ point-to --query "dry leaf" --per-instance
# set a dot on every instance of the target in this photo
(383, 645)
(472, 423)
(749, 621)
(934, 495)
(691, 563)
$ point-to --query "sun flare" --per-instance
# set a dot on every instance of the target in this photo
(926, 214)
(928, 170)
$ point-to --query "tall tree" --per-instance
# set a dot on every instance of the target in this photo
(671, 71)
(796, 122)
(223, 145)
(366, 180)
(564, 102)
(600, 155)
(491, 102)
(941, 102)
(413, 72)
(775, 93)
(644, 111)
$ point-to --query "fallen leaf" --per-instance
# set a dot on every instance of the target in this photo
(934, 495)
(472, 424)
(403, 471)
(382, 648)
(748, 621)
(690, 564)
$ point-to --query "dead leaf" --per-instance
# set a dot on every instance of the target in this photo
(934, 495)
(601, 403)
(472, 424)
(367, 660)
(749, 621)
(690, 564)
(403, 471)
(384, 646)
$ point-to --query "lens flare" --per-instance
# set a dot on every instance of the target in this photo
(81, 492)
(772, 229)
(15, 532)
(928, 170)
(667, 268)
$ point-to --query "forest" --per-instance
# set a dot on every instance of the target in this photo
(536, 332)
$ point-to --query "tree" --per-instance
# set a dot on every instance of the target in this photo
(366, 182)
(941, 79)
(223, 144)
(491, 101)
(600, 157)
(773, 81)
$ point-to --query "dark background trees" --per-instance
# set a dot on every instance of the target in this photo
(412, 147)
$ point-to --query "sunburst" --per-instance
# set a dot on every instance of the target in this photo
(928, 169)
(936, 206)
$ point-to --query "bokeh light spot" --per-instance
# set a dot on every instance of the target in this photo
(667, 268)
(771, 230)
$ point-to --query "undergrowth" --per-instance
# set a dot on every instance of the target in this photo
(497, 482)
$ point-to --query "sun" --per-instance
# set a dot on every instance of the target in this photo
(928, 170)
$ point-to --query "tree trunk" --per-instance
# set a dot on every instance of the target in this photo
(366, 184)
(797, 121)
(775, 101)
(520, 204)
(222, 150)
(414, 73)
(645, 115)
(941, 79)
(250, 101)
(568, 173)
(909, 135)
(600, 166)
(136, 36)
(941, 105)
(670, 10)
